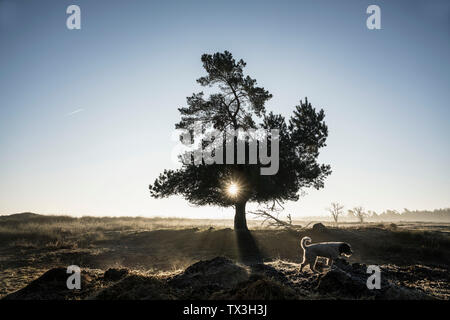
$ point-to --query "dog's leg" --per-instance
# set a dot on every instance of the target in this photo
(312, 265)
(308, 260)
(330, 262)
(304, 263)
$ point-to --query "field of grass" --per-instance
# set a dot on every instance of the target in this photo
(32, 244)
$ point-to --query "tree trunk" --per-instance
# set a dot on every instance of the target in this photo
(240, 223)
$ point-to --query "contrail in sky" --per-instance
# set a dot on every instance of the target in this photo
(74, 112)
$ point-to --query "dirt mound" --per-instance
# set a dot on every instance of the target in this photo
(52, 285)
(340, 282)
(203, 278)
(269, 272)
(319, 227)
(136, 287)
(350, 281)
(219, 271)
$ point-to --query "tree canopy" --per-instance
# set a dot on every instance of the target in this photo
(240, 104)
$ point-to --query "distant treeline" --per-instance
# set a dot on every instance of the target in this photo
(438, 215)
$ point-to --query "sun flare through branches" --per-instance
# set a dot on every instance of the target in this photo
(233, 189)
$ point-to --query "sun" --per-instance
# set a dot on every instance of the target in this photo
(233, 189)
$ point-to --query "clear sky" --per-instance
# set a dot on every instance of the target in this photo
(86, 115)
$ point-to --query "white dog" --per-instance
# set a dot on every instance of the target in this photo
(329, 250)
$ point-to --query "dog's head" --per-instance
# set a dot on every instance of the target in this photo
(345, 249)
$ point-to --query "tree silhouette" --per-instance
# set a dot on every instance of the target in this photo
(336, 211)
(240, 104)
(359, 213)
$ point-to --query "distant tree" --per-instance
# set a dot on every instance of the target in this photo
(359, 213)
(336, 210)
(240, 104)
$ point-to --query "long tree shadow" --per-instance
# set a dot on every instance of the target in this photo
(248, 251)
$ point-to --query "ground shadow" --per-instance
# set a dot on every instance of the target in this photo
(248, 251)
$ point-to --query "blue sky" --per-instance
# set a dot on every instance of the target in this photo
(86, 115)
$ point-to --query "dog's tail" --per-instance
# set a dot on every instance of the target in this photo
(304, 242)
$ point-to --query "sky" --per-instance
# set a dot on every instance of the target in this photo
(86, 116)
